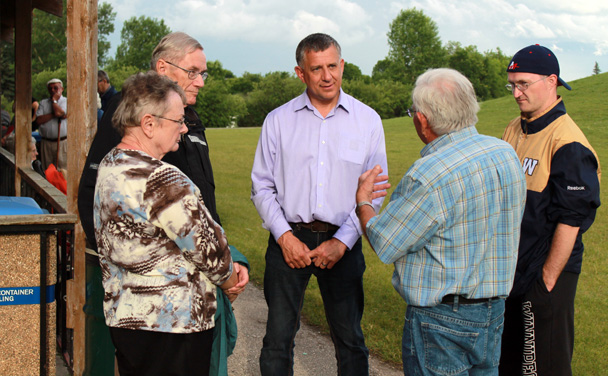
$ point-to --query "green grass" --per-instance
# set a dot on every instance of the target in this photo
(232, 152)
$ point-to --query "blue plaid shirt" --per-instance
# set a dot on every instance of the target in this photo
(452, 224)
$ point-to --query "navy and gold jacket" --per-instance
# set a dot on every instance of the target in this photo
(563, 181)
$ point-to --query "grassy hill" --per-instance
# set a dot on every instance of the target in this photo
(232, 152)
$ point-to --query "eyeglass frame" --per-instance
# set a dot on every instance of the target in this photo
(522, 87)
(411, 111)
(181, 121)
(204, 75)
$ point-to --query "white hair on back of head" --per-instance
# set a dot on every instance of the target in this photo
(447, 99)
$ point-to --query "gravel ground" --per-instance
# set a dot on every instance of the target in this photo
(314, 351)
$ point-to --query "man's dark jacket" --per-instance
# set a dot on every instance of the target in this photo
(105, 97)
(192, 158)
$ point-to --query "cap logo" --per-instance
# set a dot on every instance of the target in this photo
(513, 65)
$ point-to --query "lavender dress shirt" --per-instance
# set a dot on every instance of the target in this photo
(306, 166)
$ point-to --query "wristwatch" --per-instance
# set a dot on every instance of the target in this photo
(361, 204)
(54, 101)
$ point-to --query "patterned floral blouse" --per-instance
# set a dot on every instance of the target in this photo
(161, 253)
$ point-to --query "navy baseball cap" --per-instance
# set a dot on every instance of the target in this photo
(536, 59)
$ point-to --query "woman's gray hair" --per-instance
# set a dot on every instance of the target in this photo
(447, 99)
(315, 42)
(144, 93)
(173, 47)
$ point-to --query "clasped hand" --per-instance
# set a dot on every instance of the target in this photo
(297, 255)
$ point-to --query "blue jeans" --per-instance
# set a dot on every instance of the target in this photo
(453, 339)
(342, 291)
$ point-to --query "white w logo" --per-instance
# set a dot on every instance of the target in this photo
(529, 166)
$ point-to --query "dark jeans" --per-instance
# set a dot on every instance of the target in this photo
(342, 292)
(539, 330)
(453, 339)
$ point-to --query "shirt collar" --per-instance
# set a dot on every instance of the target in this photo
(447, 139)
(540, 122)
(303, 101)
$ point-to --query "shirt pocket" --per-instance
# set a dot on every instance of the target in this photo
(351, 149)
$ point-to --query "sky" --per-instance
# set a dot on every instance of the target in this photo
(260, 36)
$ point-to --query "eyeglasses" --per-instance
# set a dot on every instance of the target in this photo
(411, 112)
(181, 121)
(522, 87)
(191, 73)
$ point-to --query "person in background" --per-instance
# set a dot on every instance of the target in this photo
(104, 89)
(36, 164)
(451, 229)
(161, 252)
(563, 179)
(309, 156)
(5, 119)
(8, 139)
(51, 117)
(99, 110)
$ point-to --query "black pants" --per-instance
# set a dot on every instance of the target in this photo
(538, 338)
(142, 352)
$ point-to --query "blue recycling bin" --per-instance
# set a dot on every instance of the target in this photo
(19, 206)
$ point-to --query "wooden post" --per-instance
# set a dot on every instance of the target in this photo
(23, 87)
(82, 114)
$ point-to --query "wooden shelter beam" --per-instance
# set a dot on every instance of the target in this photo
(23, 87)
(82, 115)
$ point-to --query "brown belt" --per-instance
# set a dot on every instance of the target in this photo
(316, 226)
(449, 299)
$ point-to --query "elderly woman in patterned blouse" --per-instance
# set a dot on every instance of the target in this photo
(162, 255)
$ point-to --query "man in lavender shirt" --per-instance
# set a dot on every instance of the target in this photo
(309, 157)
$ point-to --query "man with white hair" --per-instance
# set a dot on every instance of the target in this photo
(451, 229)
(51, 116)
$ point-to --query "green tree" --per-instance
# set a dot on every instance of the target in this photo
(138, 38)
(105, 27)
(39, 80)
(120, 74)
(388, 98)
(217, 107)
(414, 45)
(49, 45)
(217, 71)
(7, 72)
(384, 70)
(273, 90)
(596, 68)
(245, 84)
(485, 71)
(470, 62)
(351, 72)
(495, 66)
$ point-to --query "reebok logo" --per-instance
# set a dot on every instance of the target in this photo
(571, 188)
(529, 166)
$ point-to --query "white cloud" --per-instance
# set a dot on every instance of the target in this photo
(273, 27)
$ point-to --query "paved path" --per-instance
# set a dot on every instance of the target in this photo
(314, 351)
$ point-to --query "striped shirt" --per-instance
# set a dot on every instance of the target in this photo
(452, 224)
